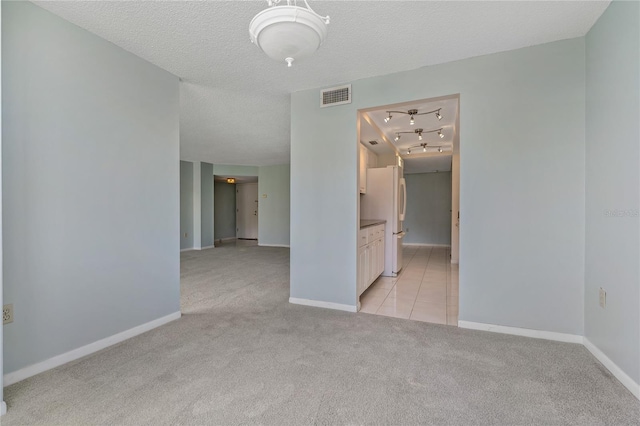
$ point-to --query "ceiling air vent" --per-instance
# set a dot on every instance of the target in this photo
(373, 142)
(335, 96)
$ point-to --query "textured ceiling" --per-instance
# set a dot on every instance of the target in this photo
(235, 106)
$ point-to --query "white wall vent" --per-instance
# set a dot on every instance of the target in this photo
(335, 96)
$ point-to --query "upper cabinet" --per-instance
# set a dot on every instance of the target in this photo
(363, 164)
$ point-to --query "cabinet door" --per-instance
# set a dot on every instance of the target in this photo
(373, 262)
(380, 260)
(363, 269)
(363, 159)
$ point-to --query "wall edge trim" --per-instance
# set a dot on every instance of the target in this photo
(525, 332)
(617, 372)
(425, 245)
(321, 304)
(58, 360)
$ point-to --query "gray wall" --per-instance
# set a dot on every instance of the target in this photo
(612, 184)
(428, 217)
(186, 204)
(520, 205)
(231, 170)
(206, 186)
(225, 210)
(90, 187)
(273, 220)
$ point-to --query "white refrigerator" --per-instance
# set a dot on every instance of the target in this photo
(386, 198)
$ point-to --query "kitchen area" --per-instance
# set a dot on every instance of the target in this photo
(416, 281)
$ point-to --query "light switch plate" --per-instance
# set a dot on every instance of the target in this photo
(603, 298)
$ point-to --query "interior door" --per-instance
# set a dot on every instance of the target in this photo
(247, 211)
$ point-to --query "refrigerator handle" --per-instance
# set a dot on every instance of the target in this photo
(403, 184)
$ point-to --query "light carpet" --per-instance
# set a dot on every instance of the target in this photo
(241, 354)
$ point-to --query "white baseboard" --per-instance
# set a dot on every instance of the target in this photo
(59, 360)
(275, 245)
(425, 245)
(187, 249)
(3, 408)
(526, 332)
(320, 304)
(207, 247)
(617, 372)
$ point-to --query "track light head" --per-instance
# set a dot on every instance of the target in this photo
(440, 149)
(409, 151)
(438, 115)
(424, 148)
(397, 137)
(411, 113)
(419, 136)
(440, 134)
(388, 118)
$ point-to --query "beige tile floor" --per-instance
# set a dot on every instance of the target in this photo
(425, 290)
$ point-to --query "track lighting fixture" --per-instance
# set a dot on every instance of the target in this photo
(419, 132)
(424, 147)
(412, 113)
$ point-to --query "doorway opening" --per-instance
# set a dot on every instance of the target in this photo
(235, 209)
(412, 149)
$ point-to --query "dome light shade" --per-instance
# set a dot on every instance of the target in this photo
(288, 33)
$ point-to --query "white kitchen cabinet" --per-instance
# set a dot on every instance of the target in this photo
(363, 164)
(363, 269)
(370, 256)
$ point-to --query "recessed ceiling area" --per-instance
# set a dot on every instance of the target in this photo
(235, 101)
(399, 125)
(425, 155)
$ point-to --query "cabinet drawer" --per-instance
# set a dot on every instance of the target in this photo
(363, 237)
(371, 233)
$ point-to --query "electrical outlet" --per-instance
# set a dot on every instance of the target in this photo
(7, 314)
(185, 235)
(603, 298)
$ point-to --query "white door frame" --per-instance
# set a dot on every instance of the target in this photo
(243, 186)
(3, 405)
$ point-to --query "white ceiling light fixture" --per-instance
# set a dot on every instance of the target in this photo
(288, 33)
